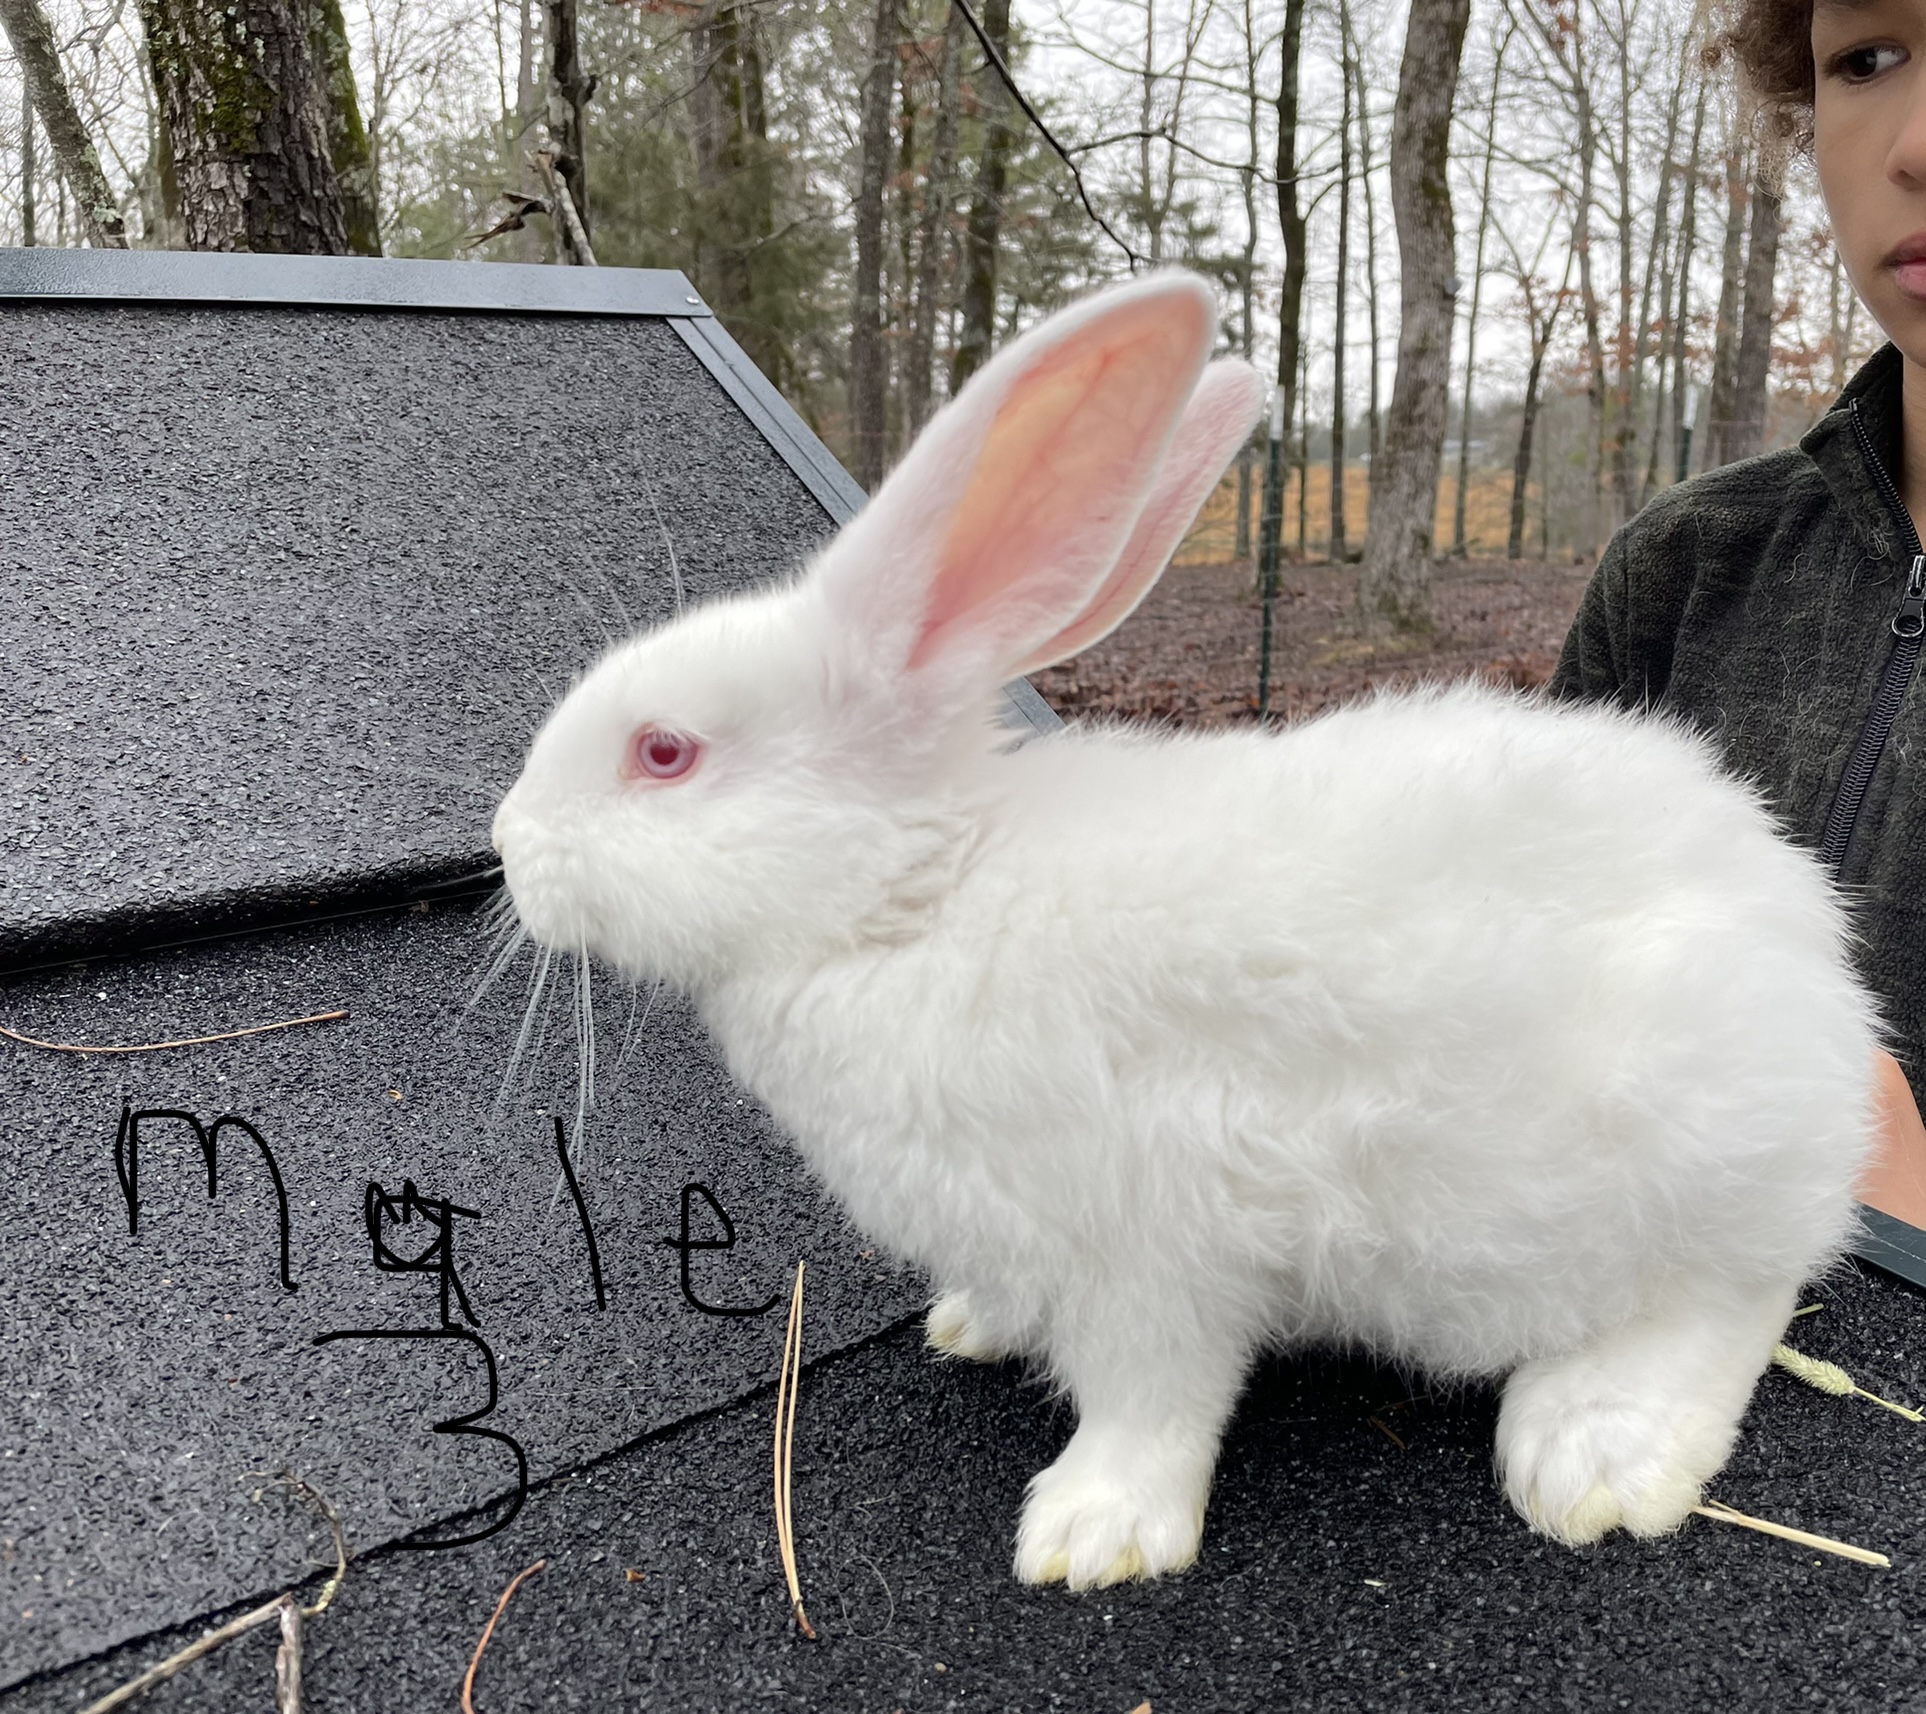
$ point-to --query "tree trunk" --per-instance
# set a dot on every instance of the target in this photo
(1521, 459)
(735, 174)
(1303, 455)
(569, 90)
(1725, 344)
(1366, 173)
(1338, 548)
(1588, 296)
(347, 137)
(1395, 587)
(1458, 548)
(1540, 329)
(1290, 220)
(1621, 401)
(986, 206)
(1658, 268)
(1752, 369)
(1148, 204)
(867, 370)
(29, 238)
(1247, 270)
(1688, 252)
(47, 94)
(529, 244)
(247, 122)
(932, 230)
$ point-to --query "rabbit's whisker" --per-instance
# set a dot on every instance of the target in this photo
(538, 982)
(510, 950)
(668, 543)
(628, 1029)
(584, 1042)
(587, 607)
(615, 595)
(468, 782)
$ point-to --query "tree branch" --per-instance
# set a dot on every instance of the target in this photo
(33, 45)
(1043, 130)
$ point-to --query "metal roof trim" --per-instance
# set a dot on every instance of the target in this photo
(345, 282)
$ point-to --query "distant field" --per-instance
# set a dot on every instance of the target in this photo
(1213, 538)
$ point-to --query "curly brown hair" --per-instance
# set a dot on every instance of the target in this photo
(1772, 41)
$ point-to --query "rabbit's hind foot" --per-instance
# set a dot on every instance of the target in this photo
(954, 1328)
(1104, 1513)
(1626, 1432)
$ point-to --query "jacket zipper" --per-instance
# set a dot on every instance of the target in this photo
(1908, 625)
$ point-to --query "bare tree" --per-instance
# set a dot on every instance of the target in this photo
(1290, 219)
(1658, 265)
(1247, 261)
(1560, 34)
(1675, 276)
(868, 380)
(986, 206)
(569, 89)
(1746, 436)
(1725, 341)
(1618, 27)
(1347, 78)
(1541, 320)
(32, 40)
(1395, 587)
(1842, 309)
(27, 235)
(932, 230)
(1477, 292)
(1682, 312)
(1372, 297)
(735, 215)
(347, 138)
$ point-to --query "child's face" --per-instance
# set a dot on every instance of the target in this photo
(1869, 142)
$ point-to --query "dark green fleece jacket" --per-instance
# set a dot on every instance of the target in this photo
(1765, 602)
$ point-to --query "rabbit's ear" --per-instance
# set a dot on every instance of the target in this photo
(998, 527)
(1217, 421)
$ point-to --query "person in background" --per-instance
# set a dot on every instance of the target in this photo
(1779, 604)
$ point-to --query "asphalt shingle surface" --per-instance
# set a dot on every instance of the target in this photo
(289, 589)
(1339, 1571)
(147, 1374)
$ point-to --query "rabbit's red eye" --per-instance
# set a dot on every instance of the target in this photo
(659, 755)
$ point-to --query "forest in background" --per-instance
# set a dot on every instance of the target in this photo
(1636, 281)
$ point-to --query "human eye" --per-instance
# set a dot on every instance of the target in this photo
(1863, 63)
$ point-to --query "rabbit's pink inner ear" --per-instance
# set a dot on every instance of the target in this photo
(1059, 478)
(1217, 421)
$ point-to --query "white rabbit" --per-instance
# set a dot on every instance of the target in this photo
(1491, 1036)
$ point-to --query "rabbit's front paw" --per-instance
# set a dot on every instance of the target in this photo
(1096, 1518)
(954, 1329)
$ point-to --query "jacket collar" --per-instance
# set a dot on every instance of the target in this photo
(1835, 445)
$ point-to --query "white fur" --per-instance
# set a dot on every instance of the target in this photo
(1489, 1035)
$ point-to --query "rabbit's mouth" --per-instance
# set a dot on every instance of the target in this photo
(538, 879)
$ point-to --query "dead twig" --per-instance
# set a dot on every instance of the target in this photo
(574, 239)
(1825, 1544)
(285, 1607)
(786, 1390)
(306, 1491)
(186, 1657)
(156, 1046)
(287, 1662)
(501, 1607)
